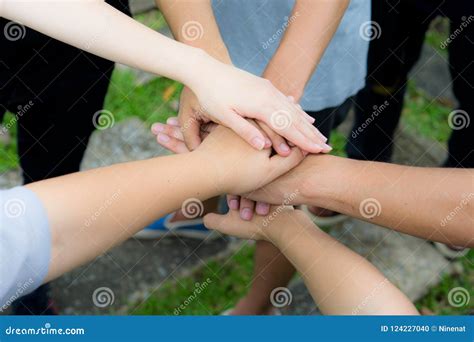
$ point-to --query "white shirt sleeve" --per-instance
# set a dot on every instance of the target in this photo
(25, 244)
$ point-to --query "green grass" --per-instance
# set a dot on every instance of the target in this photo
(150, 102)
(8, 152)
(437, 298)
(437, 34)
(427, 117)
(229, 280)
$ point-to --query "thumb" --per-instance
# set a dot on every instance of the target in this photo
(245, 130)
(190, 127)
(215, 222)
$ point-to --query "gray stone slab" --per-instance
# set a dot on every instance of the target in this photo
(131, 273)
(124, 141)
(431, 74)
(140, 6)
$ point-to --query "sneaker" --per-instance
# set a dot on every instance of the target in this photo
(194, 229)
(450, 252)
(325, 217)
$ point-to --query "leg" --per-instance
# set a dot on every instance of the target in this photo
(63, 89)
(271, 270)
(461, 53)
(390, 59)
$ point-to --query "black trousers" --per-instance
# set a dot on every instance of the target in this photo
(329, 118)
(403, 26)
(53, 90)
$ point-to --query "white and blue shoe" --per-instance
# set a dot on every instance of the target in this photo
(194, 229)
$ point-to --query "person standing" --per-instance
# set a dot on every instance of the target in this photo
(55, 92)
(400, 32)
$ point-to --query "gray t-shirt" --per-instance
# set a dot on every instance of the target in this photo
(252, 30)
(25, 244)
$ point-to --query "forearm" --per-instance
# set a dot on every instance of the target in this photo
(92, 211)
(432, 203)
(311, 27)
(98, 28)
(340, 281)
(193, 23)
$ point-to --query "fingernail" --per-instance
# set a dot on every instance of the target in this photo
(172, 121)
(327, 147)
(157, 127)
(246, 214)
(318, 146)
(284, 147)
(262, 208)
(234, 204)
(163, 138)
(268, 143)
(258, 143)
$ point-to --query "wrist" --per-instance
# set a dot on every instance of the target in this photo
(198, 61)
(204, 173)
(329, 183)
(289, 225)
(290, 86)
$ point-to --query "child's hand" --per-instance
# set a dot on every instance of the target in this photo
(269, 228)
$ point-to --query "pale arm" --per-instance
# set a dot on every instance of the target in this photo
(104, 31)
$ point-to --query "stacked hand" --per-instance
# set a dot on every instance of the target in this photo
(170, 136)
(240, 96)
(223, 152)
